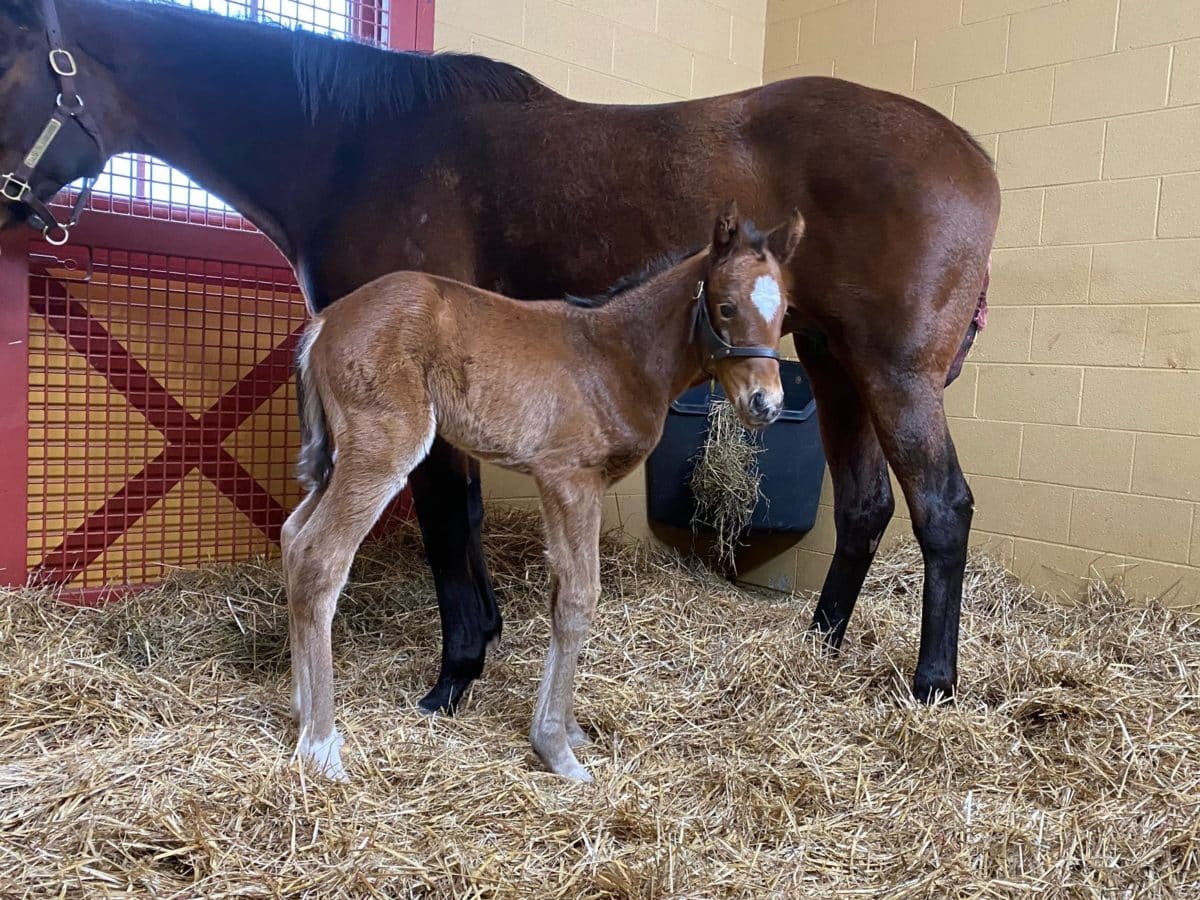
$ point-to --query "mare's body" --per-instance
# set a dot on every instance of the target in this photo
(358, 162)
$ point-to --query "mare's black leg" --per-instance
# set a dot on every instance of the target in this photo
(911, 424)
(491, 621)
(441, 495)
(862, 493)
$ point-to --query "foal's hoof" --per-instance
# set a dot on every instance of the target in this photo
(576, 772)
(933, 689)
(325, 756)
(576, 736)
(556, 754)
(568, 767)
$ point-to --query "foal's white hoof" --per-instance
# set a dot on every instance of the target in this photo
(561, 761)
(575, 772)
(325, 756)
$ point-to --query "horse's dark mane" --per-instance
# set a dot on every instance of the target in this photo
(359, 80)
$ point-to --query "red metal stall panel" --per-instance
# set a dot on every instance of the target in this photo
(161, 429)
(412, 25)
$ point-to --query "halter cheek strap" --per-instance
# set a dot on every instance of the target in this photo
(711, 346)
(15, 186)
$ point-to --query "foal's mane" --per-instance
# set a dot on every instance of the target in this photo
(754, 238)
(623, 285)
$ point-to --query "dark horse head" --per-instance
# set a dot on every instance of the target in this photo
(47, 136)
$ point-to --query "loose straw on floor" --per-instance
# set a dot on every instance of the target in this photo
(147, 744)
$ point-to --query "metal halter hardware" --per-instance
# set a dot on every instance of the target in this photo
(711, 346)
(16, 186)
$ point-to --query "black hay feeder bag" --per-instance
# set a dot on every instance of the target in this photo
(792, 463)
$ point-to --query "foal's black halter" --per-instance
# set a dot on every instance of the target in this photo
(711, 346)
(15, 185)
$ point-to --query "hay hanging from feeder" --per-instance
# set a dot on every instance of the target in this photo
(726, 479)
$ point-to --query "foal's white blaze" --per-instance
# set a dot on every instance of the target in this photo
(766, 297)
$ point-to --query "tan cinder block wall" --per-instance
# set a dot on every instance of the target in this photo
(611, 51)
(615, 51)
(1077, 418)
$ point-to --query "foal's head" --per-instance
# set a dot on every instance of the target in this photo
(745, 302)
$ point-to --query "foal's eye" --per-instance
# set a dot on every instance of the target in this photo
(727, 310)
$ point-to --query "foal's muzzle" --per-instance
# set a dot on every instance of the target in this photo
(761, 410)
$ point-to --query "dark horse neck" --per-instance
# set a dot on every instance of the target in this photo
(274, 121)
(180, 82)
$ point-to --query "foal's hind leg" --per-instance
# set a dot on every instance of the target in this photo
(862, 492)
(572, 515)
(291, 528)
(371, 469)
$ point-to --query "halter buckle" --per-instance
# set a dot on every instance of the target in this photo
(11, 181)
(63, 63)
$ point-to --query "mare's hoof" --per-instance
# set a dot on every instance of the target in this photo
(445, 696)
(831, 638)
(933, 689)
(325, 756)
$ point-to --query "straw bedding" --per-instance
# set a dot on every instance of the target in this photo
(147, 744)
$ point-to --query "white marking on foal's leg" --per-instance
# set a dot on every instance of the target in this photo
(766, 297)
(324, 755)
(548, 734)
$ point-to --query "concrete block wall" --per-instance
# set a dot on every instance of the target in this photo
(1078, 415)
(615, 51)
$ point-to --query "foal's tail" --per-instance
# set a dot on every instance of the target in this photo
(315, 465)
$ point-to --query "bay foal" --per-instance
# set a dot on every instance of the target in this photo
(574, 397)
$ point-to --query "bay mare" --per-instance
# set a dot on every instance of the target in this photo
(575, 398)
(357, 162)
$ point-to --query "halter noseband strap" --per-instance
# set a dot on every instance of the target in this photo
(15, 186)
(710, 345)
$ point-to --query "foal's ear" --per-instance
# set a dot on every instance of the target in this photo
(784, 239)
(726, 230)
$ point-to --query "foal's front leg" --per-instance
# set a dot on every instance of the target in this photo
(572, 514)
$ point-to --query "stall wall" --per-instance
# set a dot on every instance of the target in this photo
(615, 51)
